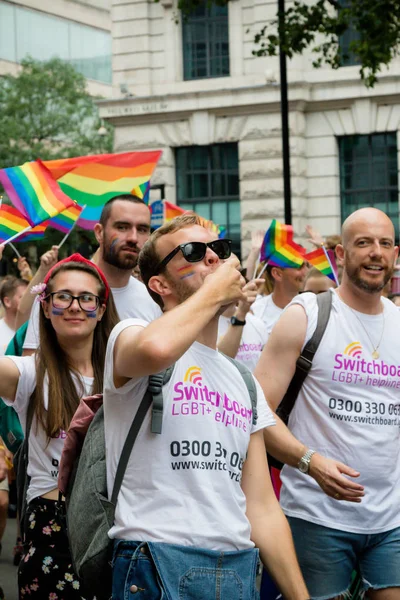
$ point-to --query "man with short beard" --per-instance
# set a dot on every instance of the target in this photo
(123, 229)
(348, 408)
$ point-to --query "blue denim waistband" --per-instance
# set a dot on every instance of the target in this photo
(188, 572)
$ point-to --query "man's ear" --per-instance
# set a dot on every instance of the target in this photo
(339, 253)
(99, 232)
(276, 273)
(6, 302)
(159, 285)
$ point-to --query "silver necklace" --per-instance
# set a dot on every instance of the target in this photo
(375, 349)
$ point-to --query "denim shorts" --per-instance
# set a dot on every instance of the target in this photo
(327, 558)
(169, 572)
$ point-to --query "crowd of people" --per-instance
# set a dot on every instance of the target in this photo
(197, 507)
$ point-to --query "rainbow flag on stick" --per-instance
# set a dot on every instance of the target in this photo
(13, 224)
(93, 180)
(279, 248)
(34, 234)
(66, 220)
(321, 260)
(33, 191)
(171, 211)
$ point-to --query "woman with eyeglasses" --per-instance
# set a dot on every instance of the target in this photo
(76, 318)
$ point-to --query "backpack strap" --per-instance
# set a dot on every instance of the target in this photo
(153, 395)
(249, 382)
(129, 442)
(304, 362)
(156, 383)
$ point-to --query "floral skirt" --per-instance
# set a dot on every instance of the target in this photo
(45, 571)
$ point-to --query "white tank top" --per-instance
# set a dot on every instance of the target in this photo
(349, 409)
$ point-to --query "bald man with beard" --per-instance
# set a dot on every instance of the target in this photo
(348, 409)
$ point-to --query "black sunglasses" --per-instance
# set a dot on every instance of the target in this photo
(196, 251)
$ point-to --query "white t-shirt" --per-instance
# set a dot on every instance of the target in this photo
(254, 337)
(6, 335)
(183, 486)
(132, 301)
(265, 309)
(349, 409)
(44, 455)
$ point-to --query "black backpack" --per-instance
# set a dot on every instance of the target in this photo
(303, 365)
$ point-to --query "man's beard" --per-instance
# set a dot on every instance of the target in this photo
(366, 286)
(114, 257)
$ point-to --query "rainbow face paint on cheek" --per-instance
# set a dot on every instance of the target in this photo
(57, 312)
(91, 315)
(114, 241)
(185, 272)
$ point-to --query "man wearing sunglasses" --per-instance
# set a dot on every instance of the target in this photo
(196, 499)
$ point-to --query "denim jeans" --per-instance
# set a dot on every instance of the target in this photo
(156, 571)
(328, 556)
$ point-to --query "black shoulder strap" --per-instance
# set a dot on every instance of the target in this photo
(249, 382)
(153, 395)
(304, 362)
(156, 383)
(129, 442)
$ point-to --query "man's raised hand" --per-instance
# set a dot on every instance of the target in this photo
(226, 283)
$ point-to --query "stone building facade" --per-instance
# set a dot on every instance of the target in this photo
(344, 138)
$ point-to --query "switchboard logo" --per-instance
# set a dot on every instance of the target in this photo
(193, 375)
(354, 350)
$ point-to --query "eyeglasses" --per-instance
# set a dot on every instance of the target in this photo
(63, 300)
(196, 251)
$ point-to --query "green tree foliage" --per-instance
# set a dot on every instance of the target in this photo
(377, 23)
(46, 113)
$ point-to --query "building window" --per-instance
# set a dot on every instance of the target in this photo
(208, 183)
(347, 57)
(369, 174)
(26, 32)
(206, 42)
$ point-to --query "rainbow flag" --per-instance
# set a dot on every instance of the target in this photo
(219, 230)
(322, 261)
(171, 211)
(12, 222)
(93, 180)
(279, 248)
(33, 191)
(66, 220)
(36, 233)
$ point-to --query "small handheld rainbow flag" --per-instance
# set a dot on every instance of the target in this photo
(278, 247)
(34, 234)
(171, 211)
(93, 180)
(11, 222)
(321, 260)
(211, 226)
(66, 220)
(33, 191)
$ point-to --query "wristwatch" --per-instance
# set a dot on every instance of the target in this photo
(304, 463)
(237, 322)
